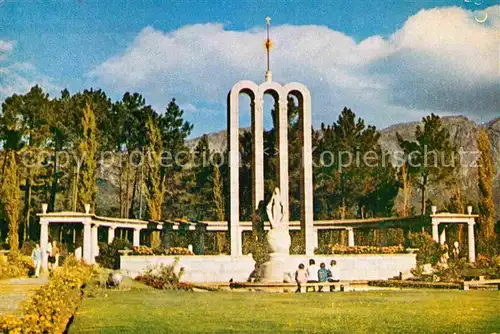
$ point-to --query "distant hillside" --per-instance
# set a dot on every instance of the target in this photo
(463, 134)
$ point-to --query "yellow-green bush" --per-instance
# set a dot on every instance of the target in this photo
(51, 307)
(14, 265)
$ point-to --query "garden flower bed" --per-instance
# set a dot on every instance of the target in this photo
(415, 284)
(145, 250)
(341, 249)
(164, 277)
(53, 305)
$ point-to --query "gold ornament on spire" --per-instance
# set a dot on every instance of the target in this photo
(269, 45)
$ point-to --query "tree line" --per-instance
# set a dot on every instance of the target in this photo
(113, 154)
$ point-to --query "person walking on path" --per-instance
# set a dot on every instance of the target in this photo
(53, 255)
(36, 256)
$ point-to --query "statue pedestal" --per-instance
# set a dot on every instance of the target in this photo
(276, 270)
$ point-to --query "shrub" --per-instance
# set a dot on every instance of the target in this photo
(164, 277)
(259, 248)
(418, 239)
(14, 265)
(488, 253)
(452, 272)
(298, 245)
(429, 251)
(27, 247)
(109, 256)
(51, 307)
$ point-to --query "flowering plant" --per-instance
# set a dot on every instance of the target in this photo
(51, 307)
(14, 265)
(142, 250)
(178, 251)
(341, 249)
(164, 277)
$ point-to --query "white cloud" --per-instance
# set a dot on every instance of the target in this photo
(5, 48)
(440, 60)
(188, 108)
(19, 77)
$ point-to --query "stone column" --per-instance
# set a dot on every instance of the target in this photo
(44, 242)
(350, 236)
(472, 242)
(241, 239)
(87, 242)
(257, 154)
(137, 237)
(167, 230)
(200, 231)
(442, 237)
(234, 188)
(435, 231)
(306, 171)
(95, 241)
(282, 141)
(111, 234)
(316, 241)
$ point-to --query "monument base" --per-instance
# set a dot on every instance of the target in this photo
(277, 269)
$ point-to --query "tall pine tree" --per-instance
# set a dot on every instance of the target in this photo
(11, 198)
(431, 157)
(88, 150)
(486, 173)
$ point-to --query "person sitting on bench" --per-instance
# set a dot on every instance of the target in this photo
(300, 277)
(312, 273)
(322, 275)
(333, 275)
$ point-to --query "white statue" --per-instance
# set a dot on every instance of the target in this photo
(278, 237)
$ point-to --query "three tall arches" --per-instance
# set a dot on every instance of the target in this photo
(280, 94)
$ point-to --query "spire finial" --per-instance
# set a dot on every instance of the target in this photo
(268, 45)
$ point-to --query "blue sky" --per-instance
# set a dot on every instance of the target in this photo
(112, 45)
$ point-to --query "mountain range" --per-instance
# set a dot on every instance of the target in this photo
(463, 133)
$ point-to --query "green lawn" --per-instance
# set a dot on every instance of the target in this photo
(145, 310)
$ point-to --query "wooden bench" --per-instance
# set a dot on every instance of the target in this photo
(481, 283)
(306, 287)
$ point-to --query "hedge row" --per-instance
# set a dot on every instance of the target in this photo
(415, 284)
(53, 305)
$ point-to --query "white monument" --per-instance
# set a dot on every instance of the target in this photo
(280, 93)
(278, 238)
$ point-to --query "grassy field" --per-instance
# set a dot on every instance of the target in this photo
(144, 310)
